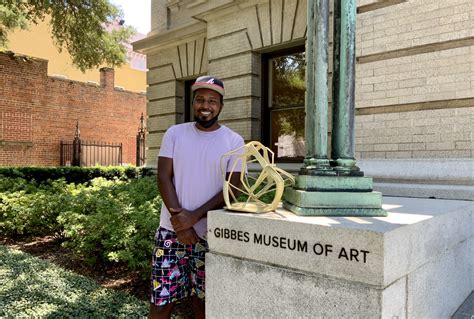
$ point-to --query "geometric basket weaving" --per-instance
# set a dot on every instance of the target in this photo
(256, 194)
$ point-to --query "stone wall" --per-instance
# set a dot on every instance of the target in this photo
(414, 72)
(176, 60)
(227, 46)
(37, 112)
(439, 133)
(415, 85)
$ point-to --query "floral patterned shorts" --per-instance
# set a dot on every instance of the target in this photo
(177, 269)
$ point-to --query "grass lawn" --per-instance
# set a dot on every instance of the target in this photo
(34, 288)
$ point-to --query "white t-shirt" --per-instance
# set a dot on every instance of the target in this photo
(197, 170)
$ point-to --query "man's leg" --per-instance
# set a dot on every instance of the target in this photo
(161, 312)
(199, 308)
(197, 266)
(169, 281)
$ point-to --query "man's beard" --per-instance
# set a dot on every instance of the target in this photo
(208, 123)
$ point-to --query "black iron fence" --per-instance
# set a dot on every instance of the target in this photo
(87, 153)
(141, 143)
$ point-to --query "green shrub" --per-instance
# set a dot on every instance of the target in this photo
(14, 184)
(73, 174)
(103, 221)
(28, 209)
(113, 221)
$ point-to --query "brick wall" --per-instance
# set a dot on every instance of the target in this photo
(38, 111)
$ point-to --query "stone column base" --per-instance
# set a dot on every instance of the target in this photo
(333, 196)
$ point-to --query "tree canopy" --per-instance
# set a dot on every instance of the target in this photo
(78, 26)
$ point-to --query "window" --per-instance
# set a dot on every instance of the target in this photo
(284, 104)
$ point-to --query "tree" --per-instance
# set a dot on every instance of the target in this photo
(288, 81)
(78, 26)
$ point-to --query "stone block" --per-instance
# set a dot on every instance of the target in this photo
(260, 290)
(465, 145)
(276, 21)
(385, 147)
(244, 128)
(160, 74)
(228, 24)
(235, 65)
(161, 123)
(154, 139)
(411, 147)
(242, 86)
(241, 108)
(161, 90)
(399, 154)
(339, 199)
(400, 266)
(165, 106)
(330, 183)
(299, 29)
(443, 222)
(440, 146)
(300, 249)
(152, 157)
(394, 300)
(227, 45)
(443, 281)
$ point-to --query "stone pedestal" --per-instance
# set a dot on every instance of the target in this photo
(333, 196)
(418, 262)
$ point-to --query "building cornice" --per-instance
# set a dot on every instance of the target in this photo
(207, 11)
(211, 10)
(170, 38)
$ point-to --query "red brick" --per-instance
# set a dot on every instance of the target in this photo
(38, 111)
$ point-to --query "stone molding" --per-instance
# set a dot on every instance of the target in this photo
(164, 40)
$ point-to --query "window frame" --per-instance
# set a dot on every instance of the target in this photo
(265, 96)
(188, 101)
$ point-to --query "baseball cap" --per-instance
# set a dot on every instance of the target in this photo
(209, 82)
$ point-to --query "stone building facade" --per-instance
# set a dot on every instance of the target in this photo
(414, 76)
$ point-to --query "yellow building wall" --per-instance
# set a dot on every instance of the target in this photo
(37, 42)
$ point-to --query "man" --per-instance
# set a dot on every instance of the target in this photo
(190, 182)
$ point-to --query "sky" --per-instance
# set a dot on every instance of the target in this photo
(136, 13)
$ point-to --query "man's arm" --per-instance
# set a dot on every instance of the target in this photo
(183, 219)
(170, 199)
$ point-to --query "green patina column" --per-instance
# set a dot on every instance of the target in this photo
(331, 187)
(316, 124)
(343, 141)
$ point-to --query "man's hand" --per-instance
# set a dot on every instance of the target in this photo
(187, 236)
(182, 219)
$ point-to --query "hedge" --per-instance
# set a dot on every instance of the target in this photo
(103, 221)
(72, 174)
